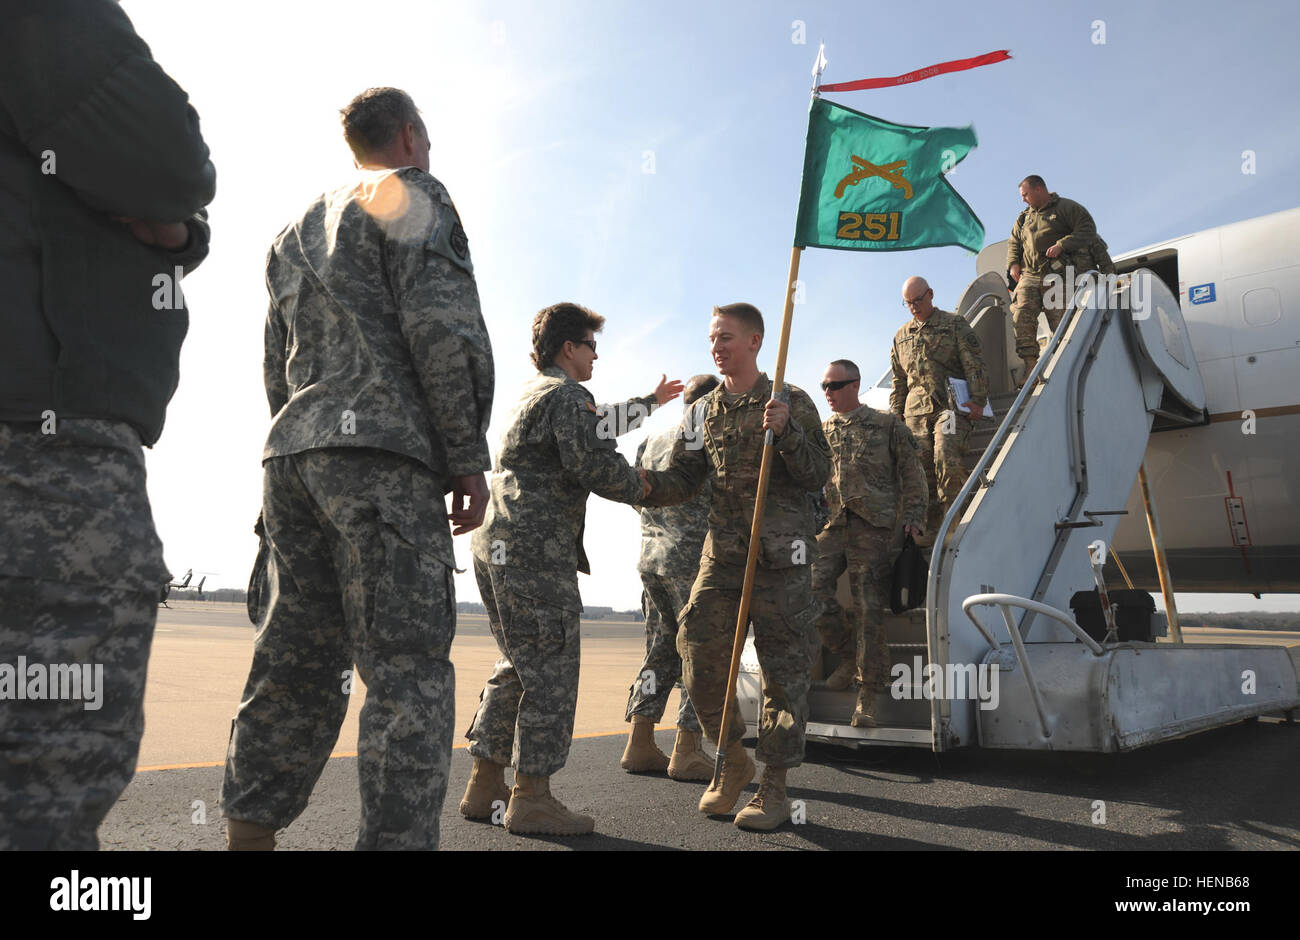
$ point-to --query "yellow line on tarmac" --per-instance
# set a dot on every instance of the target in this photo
(218, 763)
(455, 747)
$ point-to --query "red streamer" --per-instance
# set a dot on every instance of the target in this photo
(956, 65)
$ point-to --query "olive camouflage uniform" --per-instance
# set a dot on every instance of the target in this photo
(782, 608)
(924, 356)
(557, 449)
(875, 465)
(1060, 222)
(379, 376)
(80, 571)
(671, 539)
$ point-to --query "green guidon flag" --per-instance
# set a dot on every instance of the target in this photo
(874, 186)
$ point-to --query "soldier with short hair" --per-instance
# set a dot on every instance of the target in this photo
(379, 375)
(671, 539)
(876, 479)
(928, 350)
(734, 419)
(558, 448)
(1049, 237)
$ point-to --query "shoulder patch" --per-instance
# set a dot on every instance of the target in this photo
(459, 241)
(448, 237)
(599, 429)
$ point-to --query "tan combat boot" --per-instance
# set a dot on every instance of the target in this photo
(1029, 367)
(864, 710)
(642, 755)
(689, 760)
(534, 811)
(842, 676)
(487, 785)
(769, 807)
(244, 836)
(737, 772)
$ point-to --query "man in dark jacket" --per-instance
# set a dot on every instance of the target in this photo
(103, 176)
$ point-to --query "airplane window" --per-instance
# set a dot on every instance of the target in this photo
(1261, 307)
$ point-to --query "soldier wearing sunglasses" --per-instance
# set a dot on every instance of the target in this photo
(876, 480)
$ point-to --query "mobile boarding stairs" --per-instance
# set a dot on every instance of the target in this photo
(1061, 458)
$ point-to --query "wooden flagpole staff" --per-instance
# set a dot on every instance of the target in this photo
(756, 526)
(866, 147)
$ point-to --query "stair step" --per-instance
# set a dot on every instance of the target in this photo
(837, 707)
(892, 735)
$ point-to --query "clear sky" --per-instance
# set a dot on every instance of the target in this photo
(644, 160)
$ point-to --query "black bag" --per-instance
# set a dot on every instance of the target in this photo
(1133, 618)
(911, 572)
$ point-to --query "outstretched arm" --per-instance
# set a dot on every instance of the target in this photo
(588, 455)
(687, 469)
(628, 416)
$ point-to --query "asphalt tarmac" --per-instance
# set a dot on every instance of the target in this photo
(1231, 788)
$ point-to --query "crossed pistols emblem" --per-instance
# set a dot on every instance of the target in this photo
(890, 172)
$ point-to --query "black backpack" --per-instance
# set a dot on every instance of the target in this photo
(911, 572)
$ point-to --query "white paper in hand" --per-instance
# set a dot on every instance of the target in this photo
(961, 395)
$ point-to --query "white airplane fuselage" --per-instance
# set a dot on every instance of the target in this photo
(1228, 493)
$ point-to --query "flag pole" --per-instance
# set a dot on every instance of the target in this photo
(756, 526)
(764, 474)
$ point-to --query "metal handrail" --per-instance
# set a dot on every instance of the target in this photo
(1004, 603)
(977, 473)
(1038, 607)
(975, 304)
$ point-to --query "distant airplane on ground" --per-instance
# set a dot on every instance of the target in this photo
(182, 585)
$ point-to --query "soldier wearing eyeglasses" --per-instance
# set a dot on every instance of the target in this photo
(931, 348)
(559, 447)
(876, 480)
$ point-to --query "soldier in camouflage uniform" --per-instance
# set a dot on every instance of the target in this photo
(875, 466)
(557, 449)
(671, 539)
(931, 348)
(103, 176)
(379, 376)
(1050, 237)
(734, 418)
